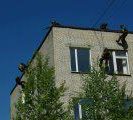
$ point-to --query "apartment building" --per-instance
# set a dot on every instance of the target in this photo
(73, 50)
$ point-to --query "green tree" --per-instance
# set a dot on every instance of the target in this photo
(104, 98)
(41, 96)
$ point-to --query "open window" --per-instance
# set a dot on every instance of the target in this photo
(118, 63)
(80, 59)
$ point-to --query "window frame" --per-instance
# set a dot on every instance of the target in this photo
(114, 57)
(76, 59)
(127, 104)
(80, 110)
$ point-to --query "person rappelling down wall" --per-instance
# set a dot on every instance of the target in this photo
(19, 82)
(22, 67)
(104, 60)
(121, 41)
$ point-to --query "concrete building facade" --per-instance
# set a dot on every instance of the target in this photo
(73, 50)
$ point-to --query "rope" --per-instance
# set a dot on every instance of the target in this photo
(116, 10)
(102, 40)
(99, 43)
(104, 12)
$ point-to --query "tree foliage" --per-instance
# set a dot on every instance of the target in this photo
(41, 96)
(104, 98)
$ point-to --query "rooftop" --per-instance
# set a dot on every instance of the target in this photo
(55, 24)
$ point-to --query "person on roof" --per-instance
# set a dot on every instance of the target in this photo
(121, 41)
(105, 58)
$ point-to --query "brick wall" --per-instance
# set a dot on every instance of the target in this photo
(47, 51)
(56, 47)
(95, 40)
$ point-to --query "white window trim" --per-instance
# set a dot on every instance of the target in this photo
(114, 62)
(90, 60)
(120, 57)
(128, 64)
(76, 59)
(80, 111)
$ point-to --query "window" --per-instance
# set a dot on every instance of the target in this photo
(118, 64)
(80, 59)
(128, 104)
(80, 109)
(78, 112)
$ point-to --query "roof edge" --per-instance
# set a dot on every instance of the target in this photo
(65, 26)
(88, 28)
(34, 54)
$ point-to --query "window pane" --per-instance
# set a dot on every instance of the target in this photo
(125, 68)
(128, 104)
(119, 66)
(120, 53)
(83, 60)
(76, 112)
(73, 63)
(111, 66)
(122, 66)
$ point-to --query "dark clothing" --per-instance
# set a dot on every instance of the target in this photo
(22, 84)
(122, 39)
(123, 44)
(105, 57)
(22, 67)
(123, 36)
(19, 82)
(125, 32)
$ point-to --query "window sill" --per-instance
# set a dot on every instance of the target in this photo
(108, 74)
(79, 72)
(121, 74)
